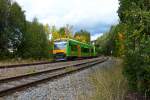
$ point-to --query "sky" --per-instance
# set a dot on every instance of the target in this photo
(95, 16)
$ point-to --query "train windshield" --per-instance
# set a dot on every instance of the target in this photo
(60, 45)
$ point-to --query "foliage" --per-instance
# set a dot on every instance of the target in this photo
(102, 45)
(12, 25)
(21, 38)
(109, 83)
(112, 42)
(135, 15)
(54, 33)
(131, 39)
(35, 42)
(18, 37)
(4, 11)
(63, 32)
(83, 36)
(50, 43)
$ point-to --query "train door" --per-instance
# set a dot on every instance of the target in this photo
(79, 50)
(90, 52)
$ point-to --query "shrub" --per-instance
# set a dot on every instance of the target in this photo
(109, 84)
(137, 67)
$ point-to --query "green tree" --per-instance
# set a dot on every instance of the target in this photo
(102, 46)
(65, 32)
(135, 16)
(4, 14)
(62, 32)
(50, 41)
(35, 44)
(12, 26)
(112, 42)
(17, 26)
(54, 32)
(83, 36)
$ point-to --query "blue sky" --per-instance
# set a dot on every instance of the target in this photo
(95, 16)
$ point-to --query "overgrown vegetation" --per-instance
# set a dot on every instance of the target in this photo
(63, 32)
(35, 41)
(18, 37)
(135, 16)
(112, 42)
(66, 32)
(130, 39)
(83, 36)
(109, 83)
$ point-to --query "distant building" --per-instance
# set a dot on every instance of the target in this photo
(93, 42)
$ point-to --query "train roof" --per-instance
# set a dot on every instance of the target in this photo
(74, 42)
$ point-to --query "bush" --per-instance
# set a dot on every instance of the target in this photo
(35, 44)
(137, 67)
(109, 83)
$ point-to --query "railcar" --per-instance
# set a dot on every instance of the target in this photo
(65, 49)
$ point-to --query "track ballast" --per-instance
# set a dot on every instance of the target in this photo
(8, 85)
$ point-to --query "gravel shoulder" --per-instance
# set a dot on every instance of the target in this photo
(71, 87)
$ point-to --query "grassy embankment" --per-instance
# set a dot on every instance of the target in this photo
(109, 83)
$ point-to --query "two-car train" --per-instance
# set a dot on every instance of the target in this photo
(68, 49)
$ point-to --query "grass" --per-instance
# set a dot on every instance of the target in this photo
(31, 70)
(21, 61)
(70, 68)
(109, 83)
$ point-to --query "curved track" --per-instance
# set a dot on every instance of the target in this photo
(24, 65)
(34, 64)
(21, 70)
(9, 85)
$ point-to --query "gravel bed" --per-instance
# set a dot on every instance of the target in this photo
(71, 87)
(9, 72)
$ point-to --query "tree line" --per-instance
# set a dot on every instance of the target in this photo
(130, 39)
(20, 38)
(66, 32)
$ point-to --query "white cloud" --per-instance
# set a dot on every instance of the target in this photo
(84, 13)
(95, 36)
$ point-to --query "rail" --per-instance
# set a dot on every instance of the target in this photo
(9, 85)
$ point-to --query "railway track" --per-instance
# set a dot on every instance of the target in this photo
(10, 85)
(33, 64)
(25, 65)
(15, 71)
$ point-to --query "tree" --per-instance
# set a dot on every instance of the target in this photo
(102, 46)
(65, 32)
(83, 36)
(4, 13)
(17, 26)
(112, 42)
(68, 31)
(35, 44)
(54, 32)
(135, 16)
(12, 26)
(62, 32)
(50, 40)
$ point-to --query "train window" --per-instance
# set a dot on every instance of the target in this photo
(92, 50)
(60, 45)
(86, 50)
(73, 47)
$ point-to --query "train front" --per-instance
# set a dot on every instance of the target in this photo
(59, 50)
